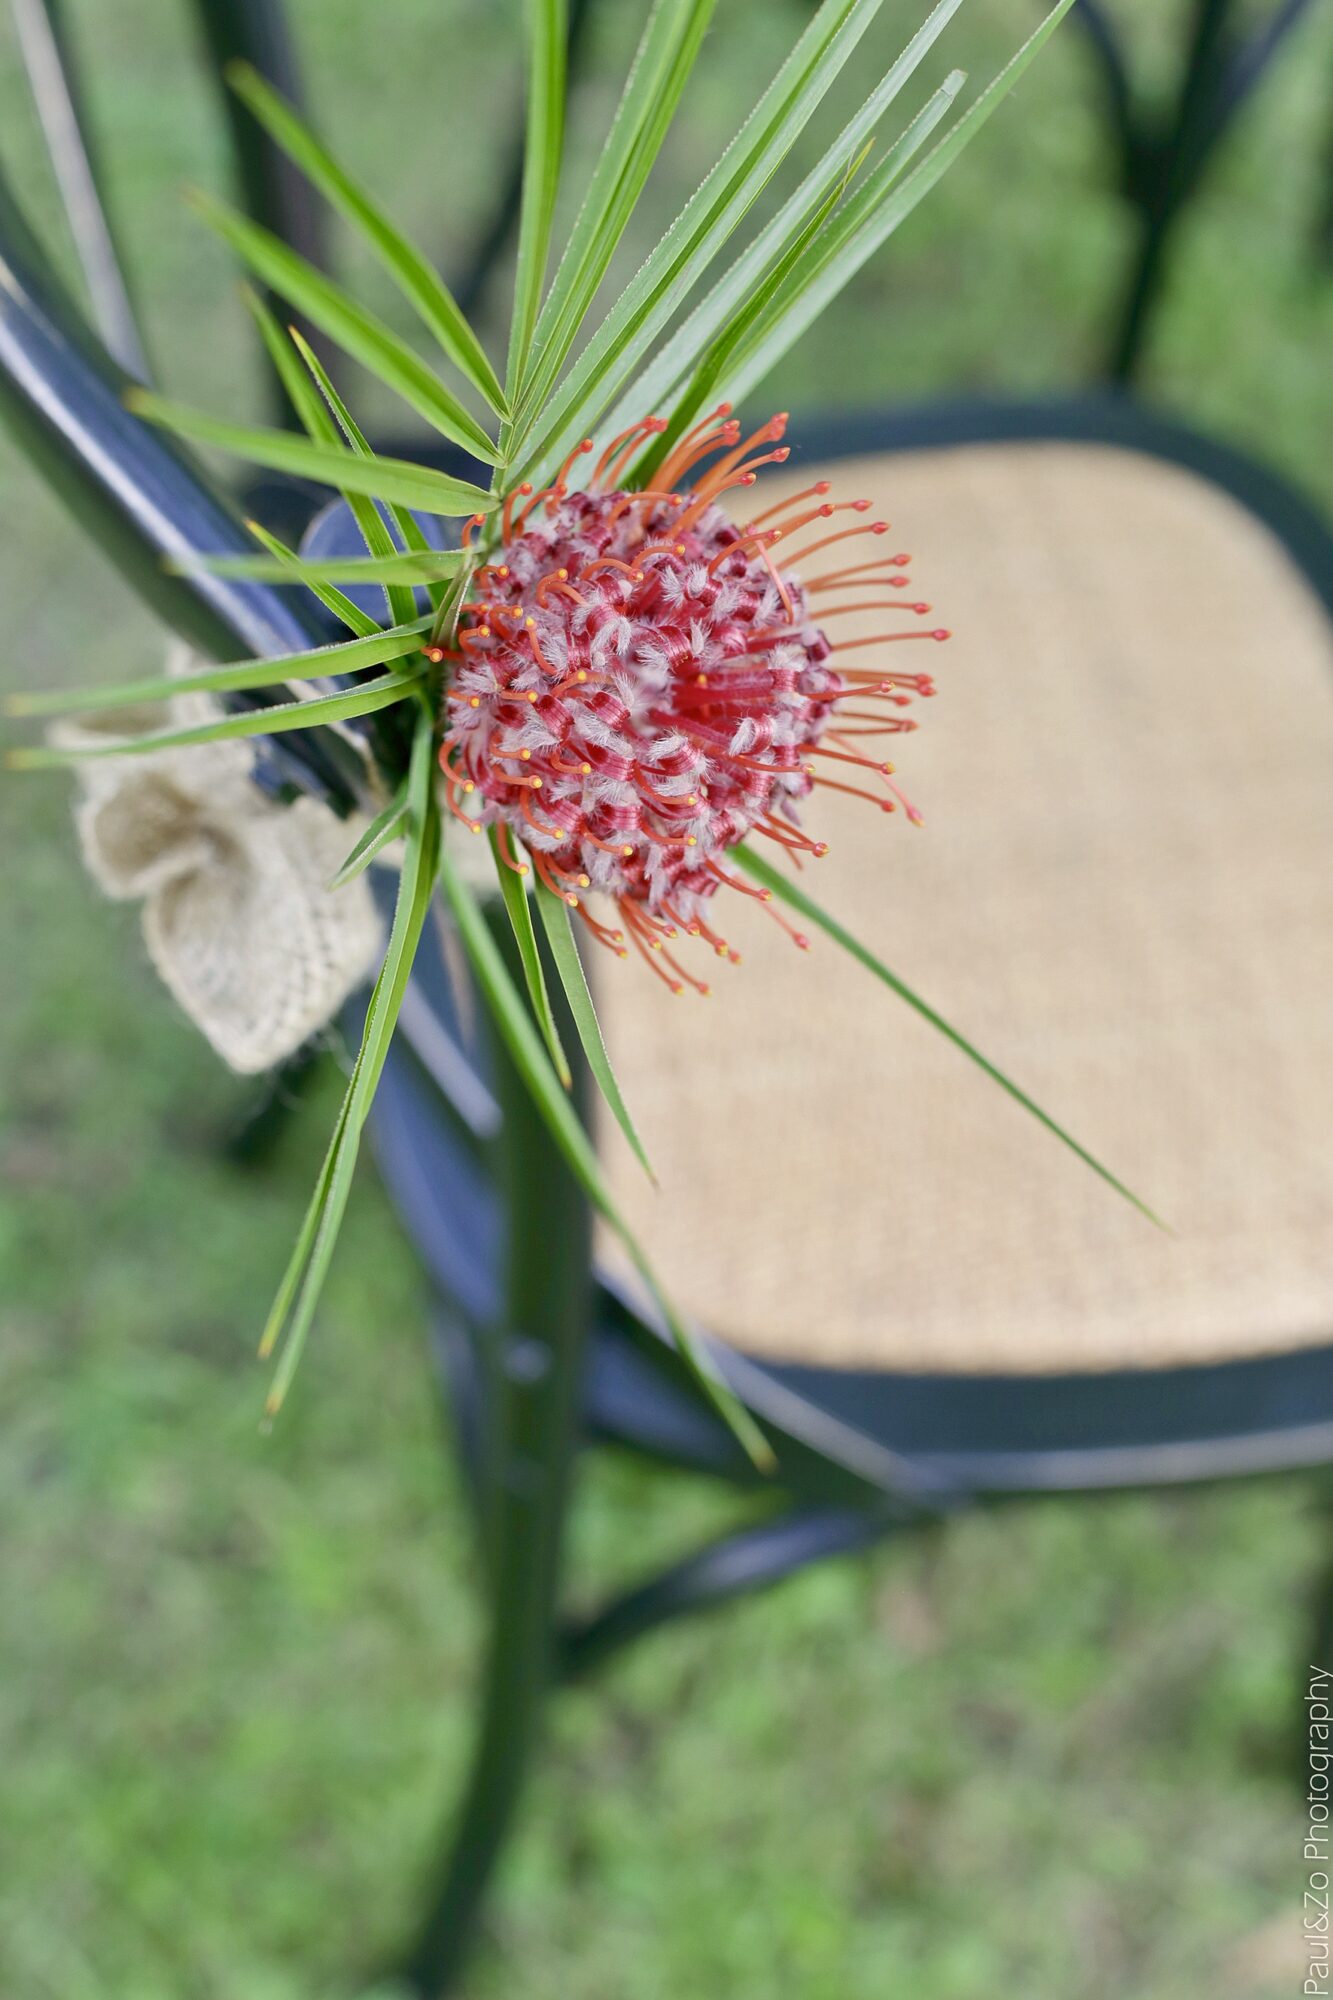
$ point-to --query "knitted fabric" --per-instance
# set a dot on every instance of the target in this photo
(237, 914)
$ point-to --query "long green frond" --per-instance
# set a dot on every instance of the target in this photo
(348, 656)
(418, 281)
(547, 32)
(529, 1056)
(299, 1293)
(679, 261)
(674, 360)
(383, 478)
(766, 874)
(387, 824)
(514, 896)
(365, 699)
(357, 331)
(403, 566)
(870, 216)
(565, 955)
(352, 616)
(662, 63)
(374, 530)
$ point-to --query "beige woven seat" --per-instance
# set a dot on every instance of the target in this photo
(1123, 893)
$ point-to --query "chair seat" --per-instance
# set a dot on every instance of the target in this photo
(1122, 893)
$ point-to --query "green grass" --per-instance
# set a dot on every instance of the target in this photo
(1044, 1754)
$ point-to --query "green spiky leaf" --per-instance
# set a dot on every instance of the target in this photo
(386, 826)
(352, 616)
(565, 955)
(403, 566)
(767, 875)
(299, 1292)
(418, 281)
(366, 699)
(714, 313)
(349, 656)
(713, 212)
(514, 896)
(529, 1056)
(868, 219)
(374, 531)
(547, 32)
(356, 330)
(324, 416)
(662, 64)
(383, 478)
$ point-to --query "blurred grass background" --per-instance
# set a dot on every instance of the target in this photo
(1047, 1753)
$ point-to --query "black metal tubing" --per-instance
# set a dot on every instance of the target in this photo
(1107, 416)
(1162, 169)
(737, 1565)
(54, 82)
(437, 1175)
(533, 1358)
(1104, 41)
(1162, 158)
(271, 189)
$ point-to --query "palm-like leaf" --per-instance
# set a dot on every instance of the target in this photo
(418, 281)
(514, 896)
(657, 77)
(366, 699)
(797, 261)
(515, 1025)
(547, 28)
(357, 331)
(713, 212)
(396, 479)
(350, 656)
(298, 1294)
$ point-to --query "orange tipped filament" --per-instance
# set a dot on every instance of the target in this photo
(507, 511)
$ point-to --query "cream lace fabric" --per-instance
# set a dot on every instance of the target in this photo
(237, 915)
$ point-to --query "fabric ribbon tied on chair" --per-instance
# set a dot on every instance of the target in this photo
(238, 917)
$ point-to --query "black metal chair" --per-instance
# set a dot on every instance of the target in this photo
(1138, 919)
(884, 1415)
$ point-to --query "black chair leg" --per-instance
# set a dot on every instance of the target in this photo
(530, 1429)
(748, 1560)
(523, 1552)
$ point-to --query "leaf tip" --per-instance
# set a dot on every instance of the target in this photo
(762, 1455)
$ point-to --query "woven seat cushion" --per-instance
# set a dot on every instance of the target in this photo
(1123, 893)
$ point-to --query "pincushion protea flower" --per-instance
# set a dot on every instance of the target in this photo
(642, 681)
(629, 682)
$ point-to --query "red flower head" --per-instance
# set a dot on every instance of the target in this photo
(638, 685)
